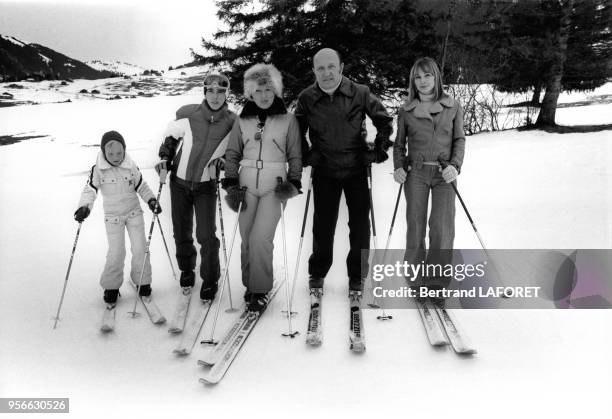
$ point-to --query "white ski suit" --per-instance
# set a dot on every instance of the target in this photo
(119, 186)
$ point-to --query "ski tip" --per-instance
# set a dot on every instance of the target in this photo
(315, 342)
(358, 347)
(208, 382)
(203, 363)
(466, 352)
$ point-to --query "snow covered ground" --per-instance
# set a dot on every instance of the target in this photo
(524, 189)
(172, 83)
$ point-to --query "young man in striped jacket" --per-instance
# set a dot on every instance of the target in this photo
(193, 152)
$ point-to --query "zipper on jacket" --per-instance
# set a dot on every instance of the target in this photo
(258, 160)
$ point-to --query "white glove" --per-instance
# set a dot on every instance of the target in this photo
(400, 175)
(450, 173)
(162, 165)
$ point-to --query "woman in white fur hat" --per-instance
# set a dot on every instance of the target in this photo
(265, 145)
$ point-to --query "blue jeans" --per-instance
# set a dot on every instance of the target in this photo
(419, 183)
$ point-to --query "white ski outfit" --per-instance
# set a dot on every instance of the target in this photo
(119, 187)
(277, 153)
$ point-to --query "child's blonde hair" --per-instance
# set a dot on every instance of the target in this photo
(426, 65)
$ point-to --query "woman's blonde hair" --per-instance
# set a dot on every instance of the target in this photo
(426, 65)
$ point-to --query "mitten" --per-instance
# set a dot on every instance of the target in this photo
(235, 196)
(288, 189)
(154, 206)
(228, 182)
(81, 214)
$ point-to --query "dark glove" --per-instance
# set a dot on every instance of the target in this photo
(228, 182)
(219, 163)
(235, 196)
(311, 158)
(81, 214)
(386, 144)
(154, 206)
(288, 189)
(378, 155)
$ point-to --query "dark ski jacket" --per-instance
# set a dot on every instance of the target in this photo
(334, 126)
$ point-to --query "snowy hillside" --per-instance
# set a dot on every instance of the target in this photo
(525, 189)
(23, 61)
(118, 67)
(171, 83)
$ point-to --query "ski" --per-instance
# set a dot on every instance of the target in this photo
(214, 355)
(151, 307)
(431, 322)
(217, 372)
(356, 335)
(108, 320)
(314, 336)
(191, 333)
(177, 324)
(153, 310)
(458, 342)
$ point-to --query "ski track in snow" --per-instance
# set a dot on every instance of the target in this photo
(524, 190)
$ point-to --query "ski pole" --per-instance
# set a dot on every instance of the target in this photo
(372, 207)
(166, 246)
(76, 239)
(162, 180)
(397, 201)
(444, 164)
(297, 263)
(229, 287)
(212, 341)
(290, 333)
(383, 316)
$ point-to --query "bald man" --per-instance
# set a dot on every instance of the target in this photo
(332, 111)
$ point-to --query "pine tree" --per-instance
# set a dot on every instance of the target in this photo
(551, 44)
(378, 40)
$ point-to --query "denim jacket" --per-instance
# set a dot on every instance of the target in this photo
(426, 136)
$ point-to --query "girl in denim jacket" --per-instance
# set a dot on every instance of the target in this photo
(430, 130)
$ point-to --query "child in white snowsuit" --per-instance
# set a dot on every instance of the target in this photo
(118, 178)
(265, 144)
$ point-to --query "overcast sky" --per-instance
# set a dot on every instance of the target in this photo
(151, 34)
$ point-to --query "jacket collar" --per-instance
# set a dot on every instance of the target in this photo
(346, 88)
(209, 115)
(445, 100)
(103, 164)
(251, 109)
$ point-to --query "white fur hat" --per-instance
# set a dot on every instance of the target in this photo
(262, 75)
